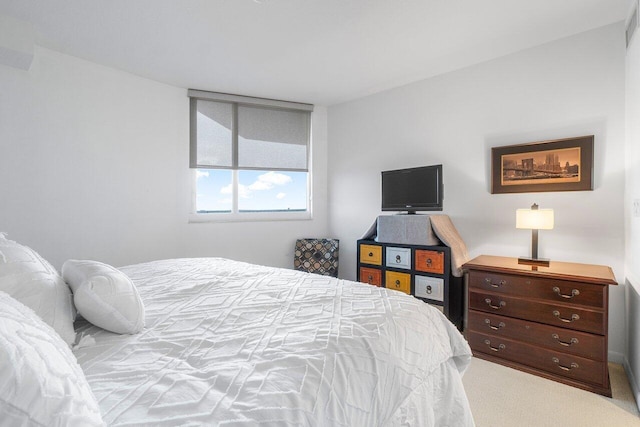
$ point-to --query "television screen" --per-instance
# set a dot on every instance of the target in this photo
(411, 190)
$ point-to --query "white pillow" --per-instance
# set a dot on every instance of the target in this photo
(41, 381)
(27, 277)
(105, 296)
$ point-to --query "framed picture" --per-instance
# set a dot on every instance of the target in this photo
(558, 165)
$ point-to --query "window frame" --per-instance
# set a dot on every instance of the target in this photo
(235, 215)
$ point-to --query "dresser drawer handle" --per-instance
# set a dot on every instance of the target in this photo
(498, 348)
(370, 278)
(398, 259)
(495, 328)
(495, 307)
(489, 282)
(370, 254)
(564, 343)
(429, 262)
(574, 365)
(397, 283)
(574, 292)
(574, 317)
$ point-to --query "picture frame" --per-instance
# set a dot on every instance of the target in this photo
(556, 165)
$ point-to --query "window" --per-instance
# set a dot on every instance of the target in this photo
(250, 157)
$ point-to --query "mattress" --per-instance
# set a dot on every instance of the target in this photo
(234, 344)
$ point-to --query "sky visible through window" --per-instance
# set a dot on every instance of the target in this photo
(257, 190)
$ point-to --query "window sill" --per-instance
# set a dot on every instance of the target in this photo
(195, 218)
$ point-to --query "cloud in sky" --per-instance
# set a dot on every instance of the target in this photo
(200, 174)
(243, 191)
(281, 196)
(266, 181)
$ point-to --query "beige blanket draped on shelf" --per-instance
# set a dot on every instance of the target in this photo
(444, 229)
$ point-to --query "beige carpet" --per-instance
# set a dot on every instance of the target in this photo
(501, 396)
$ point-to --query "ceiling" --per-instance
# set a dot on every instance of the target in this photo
(317, 51)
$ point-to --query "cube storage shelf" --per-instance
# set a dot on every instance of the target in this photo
(421, 271)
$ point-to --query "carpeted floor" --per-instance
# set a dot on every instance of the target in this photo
(501, 396)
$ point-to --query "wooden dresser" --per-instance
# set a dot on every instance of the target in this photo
(548, 321)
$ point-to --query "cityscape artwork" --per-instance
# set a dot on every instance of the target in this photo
(541, 167)
(558, 165)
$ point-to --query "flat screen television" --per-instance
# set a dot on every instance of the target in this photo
(414, 189)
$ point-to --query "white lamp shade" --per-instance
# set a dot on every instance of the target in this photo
(538, 219)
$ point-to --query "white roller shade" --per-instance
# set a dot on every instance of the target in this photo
(272, 139)
(214, 134)
(236, 132)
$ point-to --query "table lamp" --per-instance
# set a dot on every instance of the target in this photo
(534, 219)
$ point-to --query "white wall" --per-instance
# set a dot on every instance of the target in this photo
(94, 164)
(632, 220)
(571, 87)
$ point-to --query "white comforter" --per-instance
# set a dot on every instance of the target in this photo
(229, 344)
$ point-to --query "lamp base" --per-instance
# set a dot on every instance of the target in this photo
(538, 262)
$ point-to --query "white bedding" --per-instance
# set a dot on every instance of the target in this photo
(228, 343)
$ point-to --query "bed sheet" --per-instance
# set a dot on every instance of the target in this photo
(228, 343)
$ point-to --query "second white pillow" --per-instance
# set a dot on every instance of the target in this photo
(105, 296)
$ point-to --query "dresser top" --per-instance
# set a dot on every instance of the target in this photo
(600, 274)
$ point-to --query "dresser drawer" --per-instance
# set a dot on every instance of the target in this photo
(398, 281)
(398, 257)
(555, 290)
(371, 254)
(429, 287)
(557, 363)
(565, 316)
(372, 276)
(554, 338)
(429, 261)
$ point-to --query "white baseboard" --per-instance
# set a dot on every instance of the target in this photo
(615, 357)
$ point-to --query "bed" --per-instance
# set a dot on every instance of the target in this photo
(227, 343)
